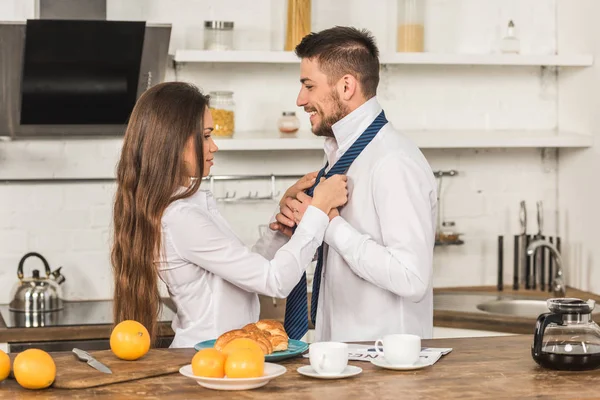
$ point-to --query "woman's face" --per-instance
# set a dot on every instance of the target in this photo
(208, 146)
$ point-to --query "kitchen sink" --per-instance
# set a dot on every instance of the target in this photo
(517, 308)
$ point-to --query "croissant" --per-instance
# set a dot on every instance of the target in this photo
(259, 338)
(269, 334)
(277, 335)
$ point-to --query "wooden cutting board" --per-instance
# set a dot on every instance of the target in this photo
(74, 374)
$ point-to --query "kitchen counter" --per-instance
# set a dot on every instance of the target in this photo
(477, 368)
(453, 308)
(457, 308)
(73, 331)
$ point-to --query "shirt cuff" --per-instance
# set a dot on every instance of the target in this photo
(338, 234)
(314, 222)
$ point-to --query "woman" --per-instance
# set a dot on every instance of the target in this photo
(164, 226)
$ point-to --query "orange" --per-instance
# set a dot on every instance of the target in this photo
(4, 365)
(129, 340)
(209, 363)
(242, 343)
(34, 369)
(245, 363)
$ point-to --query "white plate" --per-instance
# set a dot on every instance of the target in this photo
(349, 371)
(272, 371)
(381, 362)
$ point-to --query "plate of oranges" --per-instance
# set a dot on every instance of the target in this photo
(240, 365)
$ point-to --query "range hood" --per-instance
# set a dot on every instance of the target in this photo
(77, 74)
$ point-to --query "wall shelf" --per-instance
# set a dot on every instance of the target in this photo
(288, 57)
(257, 141)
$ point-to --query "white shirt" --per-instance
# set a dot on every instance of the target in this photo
(214, 279)
(377, 277)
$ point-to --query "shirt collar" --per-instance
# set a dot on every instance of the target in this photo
(202, 197)
(349, 128)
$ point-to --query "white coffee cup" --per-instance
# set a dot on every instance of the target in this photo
(328, 358)
(400, 349)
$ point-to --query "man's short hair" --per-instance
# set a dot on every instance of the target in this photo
(344, 50)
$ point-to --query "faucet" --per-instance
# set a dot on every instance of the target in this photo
(558, 284)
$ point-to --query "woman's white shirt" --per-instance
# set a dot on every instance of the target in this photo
(214, 279)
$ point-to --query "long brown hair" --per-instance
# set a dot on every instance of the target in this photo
(149, 173)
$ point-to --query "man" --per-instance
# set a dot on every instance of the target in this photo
(375, 272)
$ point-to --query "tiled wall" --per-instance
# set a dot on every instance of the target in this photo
(70, 223)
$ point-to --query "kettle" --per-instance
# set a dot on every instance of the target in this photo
(567, 338)
(37, 294)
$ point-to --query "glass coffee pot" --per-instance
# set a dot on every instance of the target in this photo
(566, 338)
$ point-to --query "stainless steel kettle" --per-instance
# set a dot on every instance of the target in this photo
(37, 294)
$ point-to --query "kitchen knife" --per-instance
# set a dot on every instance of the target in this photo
(516, 261)
(85, 356)
(500, 284)
(523, 258)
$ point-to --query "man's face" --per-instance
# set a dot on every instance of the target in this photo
(321, 100)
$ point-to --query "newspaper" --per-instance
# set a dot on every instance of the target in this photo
(361, 352)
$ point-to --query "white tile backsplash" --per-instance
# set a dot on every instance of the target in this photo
(70, 223)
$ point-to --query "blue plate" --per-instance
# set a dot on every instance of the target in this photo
(295, 348)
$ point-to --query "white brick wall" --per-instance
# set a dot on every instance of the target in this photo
(70, 223)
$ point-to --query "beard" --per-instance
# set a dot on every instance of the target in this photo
(324, 128)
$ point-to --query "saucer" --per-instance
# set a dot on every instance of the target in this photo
(399, 367)
(271, 372)
(349, 371)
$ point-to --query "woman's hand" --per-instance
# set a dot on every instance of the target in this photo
(285, 218)
(307, 181)
(331, 193)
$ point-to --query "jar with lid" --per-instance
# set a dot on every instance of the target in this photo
(510, 43)
(222, 109)
(449, 235)
(288, 122)
(298, 22)
(411, 26)
(218, 35)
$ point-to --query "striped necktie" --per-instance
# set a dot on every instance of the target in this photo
(296, 307)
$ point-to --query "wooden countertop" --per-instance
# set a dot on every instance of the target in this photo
(441, 318)
(477, 368)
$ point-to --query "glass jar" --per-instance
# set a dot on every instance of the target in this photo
(298, 22)
(288, 122)
(222, 109)
(448, 233)
(218, 35)
(510, 43)
(411, 26)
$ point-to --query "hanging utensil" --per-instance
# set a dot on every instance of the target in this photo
(523, 243)
(540, 255)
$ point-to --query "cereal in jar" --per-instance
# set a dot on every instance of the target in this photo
(223, 113)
